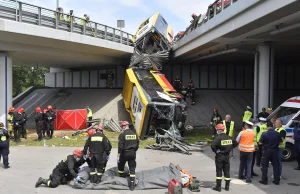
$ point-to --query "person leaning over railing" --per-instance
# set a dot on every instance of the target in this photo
(70, 17)
(85, 19)
(61, 14)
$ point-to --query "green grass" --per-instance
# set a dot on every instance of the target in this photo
(197, 135)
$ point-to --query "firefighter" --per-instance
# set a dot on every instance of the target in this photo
(50, 116)
(127, 146)
(281, 130)
(297, 140)
(222, 146)
(177, 84)
(98, 147)
(184, 93)
(65, 171)
(18, 119)
(247, 115)
(38, 118)
(25, 119)
(259, 130)
(44, 123)
(4, 145)
(191, 91)
(110, 79)
(89, 115)
(270, 141)
(215, 119)
(10, 121)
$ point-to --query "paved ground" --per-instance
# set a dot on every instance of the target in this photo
(28, 163)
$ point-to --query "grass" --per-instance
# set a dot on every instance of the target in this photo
(79, 141)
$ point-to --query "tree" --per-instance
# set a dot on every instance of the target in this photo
(25, 76)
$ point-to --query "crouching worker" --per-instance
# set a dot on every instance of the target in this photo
(98, 147)
(65, 171)
(127, 147)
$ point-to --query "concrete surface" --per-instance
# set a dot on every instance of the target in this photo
(29, 163)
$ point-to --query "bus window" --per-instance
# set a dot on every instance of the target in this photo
(285, 114)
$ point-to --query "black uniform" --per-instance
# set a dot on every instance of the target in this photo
(23, 130)
(106, 154)
(4, 146)
(270, 140)
(177, 84)
(215, 119)
(127, 147)
(191, 91)
(98, 147)
(49, 117)
(39, 124)
(222, 146)
(18, 120)
(44, 130)
(263, 115)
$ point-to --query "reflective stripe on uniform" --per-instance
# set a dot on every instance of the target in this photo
(230, 134)
(3, 138)
(132, 175)
(226, 179)
(219, 178)
(96, 138)
(119, 171)
(246, 143)
(48, 183)
(284, 141)
(99, 174)
(226, 142)
(92, 173)
(130, 137)
(247, 116)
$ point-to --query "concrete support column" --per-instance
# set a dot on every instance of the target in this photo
(263, 78)
(6, 86)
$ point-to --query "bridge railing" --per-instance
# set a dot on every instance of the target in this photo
(212, 11)
(31, 14)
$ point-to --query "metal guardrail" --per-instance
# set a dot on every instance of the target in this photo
(31, 14)
(212, 11)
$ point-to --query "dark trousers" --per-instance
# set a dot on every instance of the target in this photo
(17, 132)
(23, 130)
(297, 152)
(39, 128)
(222, 165)
(97, 163)
(50, 129)
(90, 119)
(4, 151)
(129, 157)
(44, 130)
(270, 155)
(253, 161)
(259, 153)
(245, 163)
(55, 178)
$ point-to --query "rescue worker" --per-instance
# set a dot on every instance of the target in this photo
(60, 12)
(44, 123)
(184, 93)
(246, 147)
(98, 147)
(222, 146)
(4, 145)
(297, 140)
(127, 146)
(270, 141)
(66, 169)
(89, 115)
(177, 84)
(25, 118)
(263, 114)
(247, 115)
(38, 118)
(50, 116)
(110, 79)
(18, 119)
(282, 131)
(259, 130)
(191, 91)
(270, 110)
(85, 19)
(70, 17)
(229, 128)
(10, 121)
(215, 119)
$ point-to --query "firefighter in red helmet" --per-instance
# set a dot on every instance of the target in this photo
(38, 118)
(50, 116)
(215, 119)
(25, 119)
(18, 120)
(10, 117)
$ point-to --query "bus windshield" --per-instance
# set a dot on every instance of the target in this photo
(284, 113)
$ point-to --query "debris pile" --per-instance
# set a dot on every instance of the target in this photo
(112, 125)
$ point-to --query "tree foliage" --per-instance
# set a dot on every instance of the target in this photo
(25, 76)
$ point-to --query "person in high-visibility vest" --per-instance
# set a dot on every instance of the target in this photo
(229, 128)
(60, 11)
(4, 145)
(247, 115)
(89, 115)
(259, 130)
(70, 16)
(282, 131)
(296, 131)
(10, 117)
(85, 19)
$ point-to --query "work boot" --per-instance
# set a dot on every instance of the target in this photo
(227, 185)
(131, 185)
(99, 177)
(218, 185)
(95, 178)
(41, 181)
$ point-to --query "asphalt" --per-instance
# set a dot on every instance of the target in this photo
(29, 163)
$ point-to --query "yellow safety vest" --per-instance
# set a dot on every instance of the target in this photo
(90, 113)
(83, 20)
(284, 141)
(10, 123)
(231, 129)
(61, 16)
(263, 128)
(3, 138)
(247, 115)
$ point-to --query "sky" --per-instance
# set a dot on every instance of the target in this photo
(176, 12)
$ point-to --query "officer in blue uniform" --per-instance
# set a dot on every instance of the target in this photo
(270, 140)
(297, 140)
(4, 145)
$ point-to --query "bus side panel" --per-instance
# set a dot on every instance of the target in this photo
(146, 121)
(127, 91)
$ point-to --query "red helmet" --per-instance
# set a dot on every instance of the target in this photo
(91, 132)
(11, 109)
(124, 123)
(49, 107)
(100, 128)
(45, 110)
(38, 109)
(19, 110)
(220, 127)
(77, 153)
(215, 110)
(22, 109)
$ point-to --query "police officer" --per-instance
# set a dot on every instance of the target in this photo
(25, 119)
(177, 84)
(222, 146)
(215, 119)
(297, 140)
(270, 141)
(89, 115)
(98, 147)
(66, 168)
(4, 145)
(262, 114)
(18, 120)
(50, 116)
(191, 91)
(127, 147)
(38, 118)
(10, 121)
(247, 115)
(281, 130)
(259, 130)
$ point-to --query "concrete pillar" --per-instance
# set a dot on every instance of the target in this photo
(6, 86)
(263, 77)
